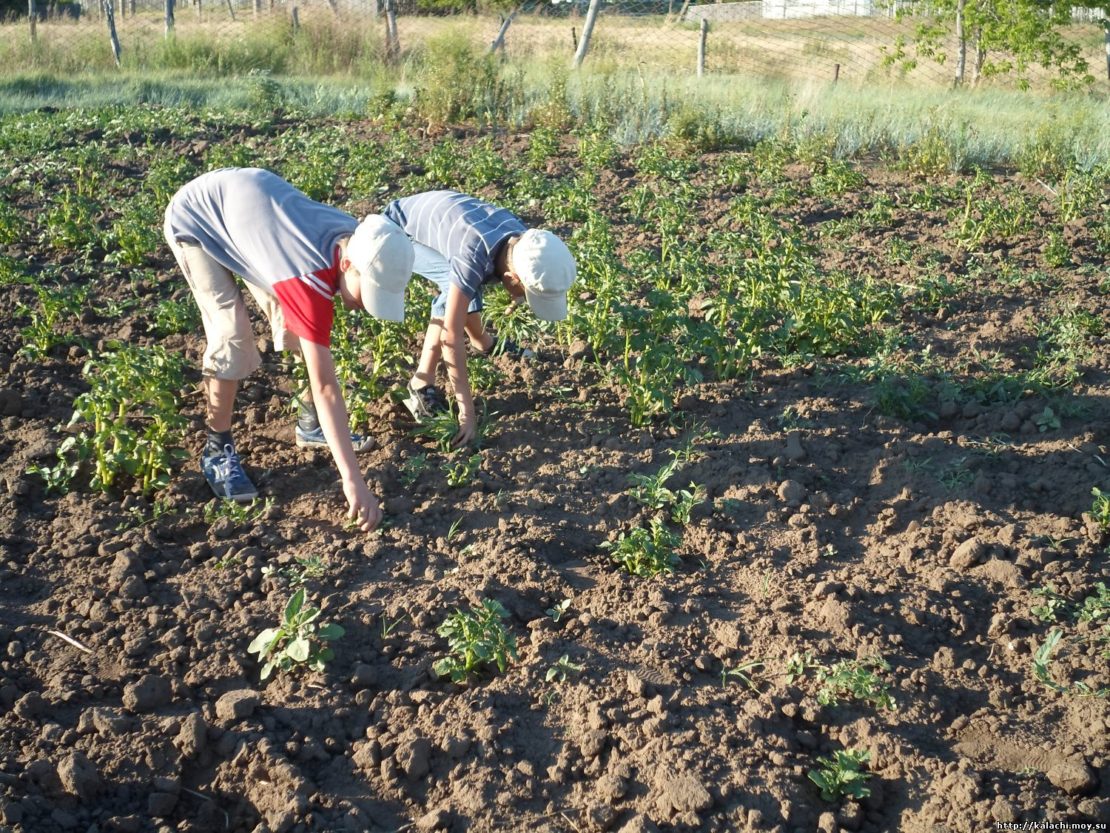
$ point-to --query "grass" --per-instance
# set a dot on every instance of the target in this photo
(940, 129)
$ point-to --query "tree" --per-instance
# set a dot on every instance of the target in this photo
(1001, 37)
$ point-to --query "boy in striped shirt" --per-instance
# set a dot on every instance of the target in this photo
(295, 255)
(461, 244)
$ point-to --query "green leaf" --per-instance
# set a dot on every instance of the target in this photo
(298, 649)
(330, 631)
(261, 642)
(294, 605)
(443, 667)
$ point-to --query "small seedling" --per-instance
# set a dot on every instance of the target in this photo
(240, 514)
(798, 664)
(1100, 509)
(461, 470)
(1053, 605)
(474, 640)
(856, 679)
(1097, 607)
(841, 775)
(1047, 420)
(453, 530)
(558, 672)
(743, 673)
(412, 468)
(558, 610)
(1042, 659)
(304, 569)
(298, 639)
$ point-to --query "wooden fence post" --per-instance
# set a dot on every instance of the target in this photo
(295, 17)
(34, 34)
(587, 33)
(499, 41)
(169, 18)
(392, 43)
(110, 16)
(701, 46)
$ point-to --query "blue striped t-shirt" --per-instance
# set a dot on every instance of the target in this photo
(465, 230)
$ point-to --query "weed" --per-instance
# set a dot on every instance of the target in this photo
(298, 639)
(645, 552)
(474, 640)
(441, 428)
(742, 672)
(239, 514)
(558, 672)
(841, 775)
(301, 571)
(856, 679)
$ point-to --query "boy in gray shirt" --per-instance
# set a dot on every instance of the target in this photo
(295, 256)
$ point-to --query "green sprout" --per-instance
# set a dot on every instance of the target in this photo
(841, 775)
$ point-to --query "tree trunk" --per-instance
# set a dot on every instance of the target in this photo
(230, 9)
(587, 33)
(34, 34)
(702, 36)
(169, 18)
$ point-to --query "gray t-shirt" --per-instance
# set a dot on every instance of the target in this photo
(259, 226)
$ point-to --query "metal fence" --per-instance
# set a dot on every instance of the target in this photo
(834, 40)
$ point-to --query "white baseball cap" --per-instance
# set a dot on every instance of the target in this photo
(547, 269)
(383, 255)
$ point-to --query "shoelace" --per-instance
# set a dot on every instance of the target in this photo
(229, 469)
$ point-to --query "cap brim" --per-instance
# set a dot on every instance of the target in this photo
(388, 306)
(547, 306)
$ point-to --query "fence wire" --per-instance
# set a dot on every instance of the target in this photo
(833, 40)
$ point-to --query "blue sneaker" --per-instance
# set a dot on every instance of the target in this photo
(315, 438)
(226, 477)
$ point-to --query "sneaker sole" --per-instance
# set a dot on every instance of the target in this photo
(415, 406)
(366, 443)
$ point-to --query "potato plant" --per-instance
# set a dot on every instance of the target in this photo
(476, 639)
(298, 640)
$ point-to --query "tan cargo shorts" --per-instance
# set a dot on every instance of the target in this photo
(231, 352)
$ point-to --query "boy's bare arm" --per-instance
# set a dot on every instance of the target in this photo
(332, 413)
(454, 356)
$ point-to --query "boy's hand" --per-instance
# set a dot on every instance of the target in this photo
(468, 428)
(364, 511)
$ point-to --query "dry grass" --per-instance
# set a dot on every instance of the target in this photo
(853, 49)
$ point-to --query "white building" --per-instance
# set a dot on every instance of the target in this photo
(787, 9)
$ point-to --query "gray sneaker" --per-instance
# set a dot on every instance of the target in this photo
(424, 403)
(226, 477)
(315, 438)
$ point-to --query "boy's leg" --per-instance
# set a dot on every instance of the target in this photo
(230, 355)
(429, 355)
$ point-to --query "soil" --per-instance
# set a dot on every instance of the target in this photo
(128, 701)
